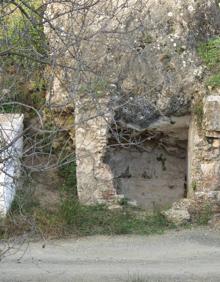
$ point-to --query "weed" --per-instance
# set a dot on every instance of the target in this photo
(194, 186)
(214, 80)
(124, 202)
(68, 172)
(72, 218)
(198, 112)
(203, 215)
(210, 54)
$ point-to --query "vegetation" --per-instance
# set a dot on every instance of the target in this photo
(72, 218)
(210, 54)
(198, 112)
(203, 215)
(23, 48)
(194, 186)
(214, 80)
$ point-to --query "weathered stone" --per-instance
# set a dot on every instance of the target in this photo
(11, 141)
(212, 116)
(179, 213)
(154, 178)
(145, 74)
(216, 143)
(115, 207)
(94, 177)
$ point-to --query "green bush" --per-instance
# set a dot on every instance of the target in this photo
(23, 41)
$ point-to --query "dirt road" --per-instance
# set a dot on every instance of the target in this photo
(189, 255)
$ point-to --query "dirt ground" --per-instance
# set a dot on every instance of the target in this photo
(187, 255)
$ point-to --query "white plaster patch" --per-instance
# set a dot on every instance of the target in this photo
(11, 141)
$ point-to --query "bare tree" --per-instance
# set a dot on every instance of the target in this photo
(109, 59)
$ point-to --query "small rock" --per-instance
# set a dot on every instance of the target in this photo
(115, 207)
(179, 213)
(177, 217)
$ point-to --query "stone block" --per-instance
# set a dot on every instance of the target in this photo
(11, 141)
(211, 122)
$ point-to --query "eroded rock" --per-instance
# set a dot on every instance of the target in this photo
(179, 213)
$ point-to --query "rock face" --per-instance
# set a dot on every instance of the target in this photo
(135, 75)
(11, 152)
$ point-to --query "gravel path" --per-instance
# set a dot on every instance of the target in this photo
(188, 255)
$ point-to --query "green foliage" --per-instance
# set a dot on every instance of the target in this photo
(68, 172)
(10, 108)
(214, 80)
(210, 54)
(98, 219)
(90, 220)
(204, 215)
(198, 112)
(23, 34)
(25, 201)
(72, 218)
(23, 41)
(194, 186)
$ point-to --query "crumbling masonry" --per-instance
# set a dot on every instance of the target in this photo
(138, 136)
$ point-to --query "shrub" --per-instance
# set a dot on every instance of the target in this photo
(23, 41)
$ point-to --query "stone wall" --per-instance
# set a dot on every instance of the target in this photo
(205, 149)
(142, 74)
(150, 178)
(11, 128)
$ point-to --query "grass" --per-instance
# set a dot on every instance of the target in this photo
(214, 80)
(210, 54)
(72, 218)
(203, 215)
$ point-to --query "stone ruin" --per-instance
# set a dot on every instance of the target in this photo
(138, 135)
(152, 134)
